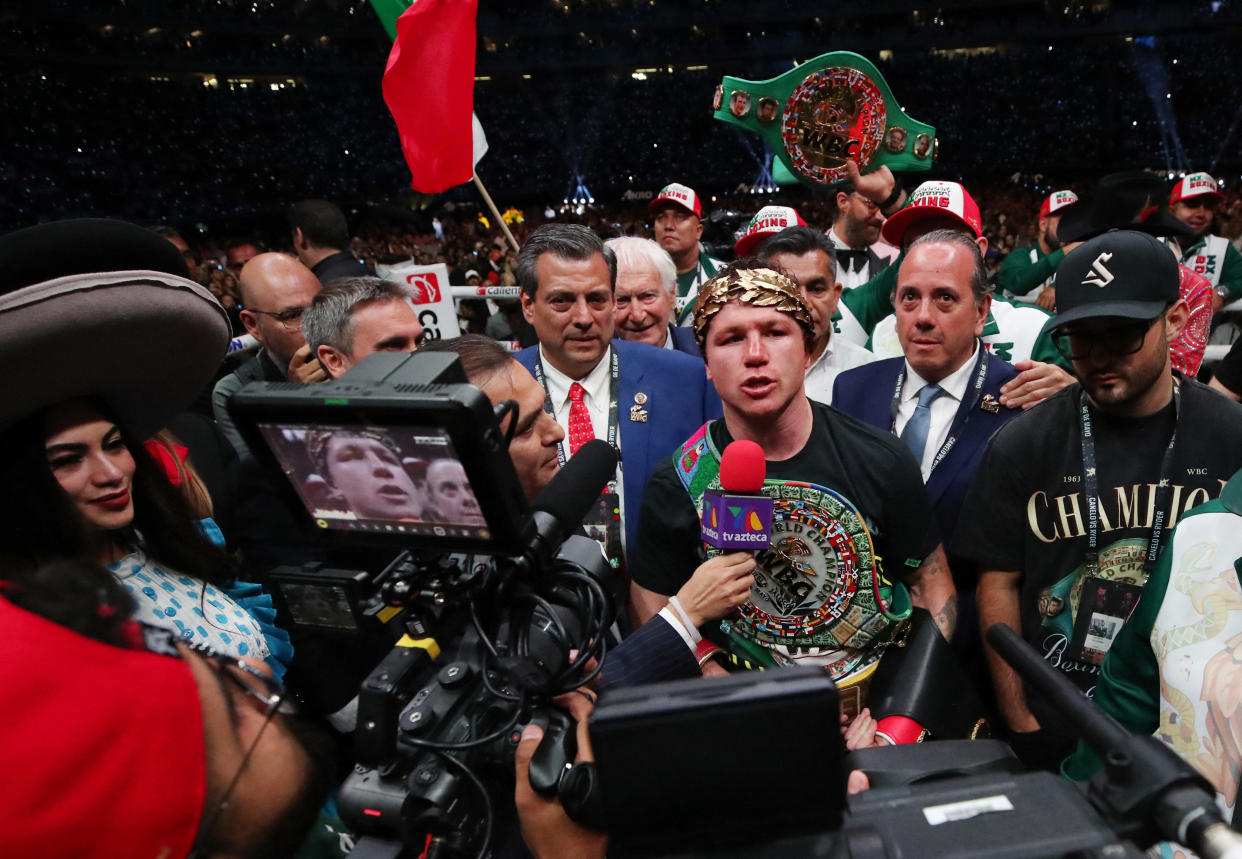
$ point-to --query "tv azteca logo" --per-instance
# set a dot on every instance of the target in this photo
(739, 519)
(425, 288)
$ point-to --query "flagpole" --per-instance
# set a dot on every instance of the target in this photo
(496, 213)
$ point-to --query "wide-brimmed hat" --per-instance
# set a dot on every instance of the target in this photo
(1130, 200)
(105, 309)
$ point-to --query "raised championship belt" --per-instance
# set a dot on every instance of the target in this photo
(829, 110)
(819, 585)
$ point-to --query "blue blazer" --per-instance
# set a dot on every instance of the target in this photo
(683, 341)
(652, 653)
(679, 400)
(866, 392)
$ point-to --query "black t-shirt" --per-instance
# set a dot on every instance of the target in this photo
(872, 470)
(1026, 512)
(1229, 370)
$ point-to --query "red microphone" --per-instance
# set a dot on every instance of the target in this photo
(739, 517)
(742, 467)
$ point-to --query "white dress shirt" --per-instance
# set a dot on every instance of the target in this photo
(943, 408)
(596, 383)
(839, 355)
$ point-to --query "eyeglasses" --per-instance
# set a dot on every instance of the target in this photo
(290, 317)
(271, 694)
(870, 206)
(1118, 340)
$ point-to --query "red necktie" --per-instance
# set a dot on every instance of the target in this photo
(580, 429)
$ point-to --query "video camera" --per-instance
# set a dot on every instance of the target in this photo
(402, 453)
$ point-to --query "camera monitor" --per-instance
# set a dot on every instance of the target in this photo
(391, 454)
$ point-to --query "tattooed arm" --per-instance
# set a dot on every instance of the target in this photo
(931, 588)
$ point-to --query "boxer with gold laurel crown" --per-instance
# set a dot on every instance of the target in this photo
(854, 542)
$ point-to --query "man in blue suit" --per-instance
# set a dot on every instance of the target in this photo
(644, 400)
(948, 394)
(941, 301)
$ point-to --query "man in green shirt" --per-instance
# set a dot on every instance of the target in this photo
(1193, 201)
(677, 225)
(1027, 271)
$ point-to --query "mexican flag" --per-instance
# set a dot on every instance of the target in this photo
(429, 89)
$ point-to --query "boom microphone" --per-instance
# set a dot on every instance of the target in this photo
(739, 518)
(1143, 783)
(562, 505)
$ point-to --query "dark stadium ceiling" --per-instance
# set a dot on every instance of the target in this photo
(283, 37)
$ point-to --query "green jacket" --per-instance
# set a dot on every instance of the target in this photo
(1230, 269)
(1019, 274)
(1128, 688)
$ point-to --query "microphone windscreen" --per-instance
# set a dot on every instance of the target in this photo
(742, 467)
(569, 496)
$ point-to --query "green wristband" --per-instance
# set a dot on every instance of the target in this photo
(825, 112)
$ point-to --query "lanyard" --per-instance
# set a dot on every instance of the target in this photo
(1090, 483)
(614, 392)
(975, 393)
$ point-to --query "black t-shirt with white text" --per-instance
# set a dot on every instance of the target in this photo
(1026, 512)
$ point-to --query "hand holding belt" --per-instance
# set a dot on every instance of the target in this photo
(829, 110)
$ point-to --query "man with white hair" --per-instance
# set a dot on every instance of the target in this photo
(645, 295)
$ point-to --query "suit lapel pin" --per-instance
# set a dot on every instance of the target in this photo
(637, 413)
(990, 404)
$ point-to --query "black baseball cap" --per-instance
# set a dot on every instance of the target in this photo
(1121, 273)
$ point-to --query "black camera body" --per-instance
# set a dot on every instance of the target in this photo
(507, 584)
(418, 793)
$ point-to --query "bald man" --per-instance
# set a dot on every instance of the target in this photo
(275, 290)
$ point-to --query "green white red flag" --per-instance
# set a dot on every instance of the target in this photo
(429, 89)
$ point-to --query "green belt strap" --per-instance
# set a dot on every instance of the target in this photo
(829, 110)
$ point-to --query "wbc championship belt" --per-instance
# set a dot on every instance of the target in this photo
(818, 584)
(823, 113)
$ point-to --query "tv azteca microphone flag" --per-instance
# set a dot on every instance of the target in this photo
(737, 521)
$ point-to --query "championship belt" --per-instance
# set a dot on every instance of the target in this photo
(818, 585)
(829, 110)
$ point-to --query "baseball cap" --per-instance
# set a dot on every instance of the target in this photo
(471, 273)
(1194, 185)
(682, 195)
(1056, 201)
(768, 221)
(1122, 273)
(931, 199)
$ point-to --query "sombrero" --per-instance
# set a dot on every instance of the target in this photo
(105, 309)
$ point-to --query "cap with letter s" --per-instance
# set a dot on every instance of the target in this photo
(1121, 273)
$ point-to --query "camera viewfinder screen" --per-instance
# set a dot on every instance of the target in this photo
(396, 480)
